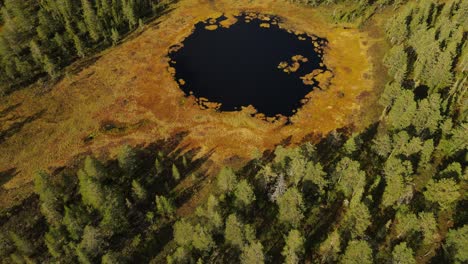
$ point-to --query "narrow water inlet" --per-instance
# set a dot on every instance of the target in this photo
(252, 62)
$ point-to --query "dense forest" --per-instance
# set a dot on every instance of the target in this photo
(393, 193)
(39, 38)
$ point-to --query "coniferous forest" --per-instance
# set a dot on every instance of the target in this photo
(393, 192)
(40, 38)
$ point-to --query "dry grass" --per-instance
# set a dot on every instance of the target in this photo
(130, 85)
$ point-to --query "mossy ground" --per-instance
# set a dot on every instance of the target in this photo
(128, 96)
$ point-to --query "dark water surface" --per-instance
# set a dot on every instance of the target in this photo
(238, 66)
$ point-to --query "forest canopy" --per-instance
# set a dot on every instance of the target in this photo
(392, 193)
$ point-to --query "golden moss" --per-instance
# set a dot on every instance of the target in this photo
(211, 27)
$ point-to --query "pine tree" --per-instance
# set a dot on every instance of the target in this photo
(128, 160)
(164, 207)
(406, 222)
(233, 233)
(291, 207)
(114, 218)
(115, 36)
(79, 45)
(158, 165)
(128, 9)
(397, 62)
(357, 252)
(457, 243)
(403, 110)
(202, 239)
(244, 194)
(175, 172)
(92, 244)
(294, 247)
(92, 22)
(183, 233)
(95, 169)
(22, 245)
(444, 192)
(330, 248)
(139, 191)
(49, 197)
(92, 192)
(428, 226)
(252, 254)
(55, 241)
(226, 180)
(75, 220)
(315, 174)
(357, 219)
(402, 254)
(349, 177)
(112, 257)
(428, 115)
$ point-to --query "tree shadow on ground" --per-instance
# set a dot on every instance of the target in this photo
(7, 175)
(17, 126)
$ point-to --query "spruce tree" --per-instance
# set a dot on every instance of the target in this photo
(92, 22)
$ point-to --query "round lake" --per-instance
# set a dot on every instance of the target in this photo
(252, 62)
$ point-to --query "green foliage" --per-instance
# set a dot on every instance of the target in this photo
(244, 194)
(164, 206)
(45, 37)
(22, 244)
(455, 140)
(202, 239)
(233, 232)
(210, 213)
(139, 191)
(112, 258)
(350, 179)
(115, 36)
(48, 194)
(357, 219)
(376, 188)
(94, 169)
(291, 207)
(92, 192)
(315, 174)
(175, 172)
(444, 192)
(55, 240)
(397, 62)
(92, 244)
(294, 247)
(159, 166)
(183, 233)
(114, 218)
(75, 220)
(396, 190)
(330, 248)
(457, 243)
(358, 252)
(403, 110)
(128, 159)
(453, 170)
(406, 222)
(402, 254)
(428, 226)
(252, 254)
(428, 115)
(226, 180)
(91, 20)
(382, 144)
